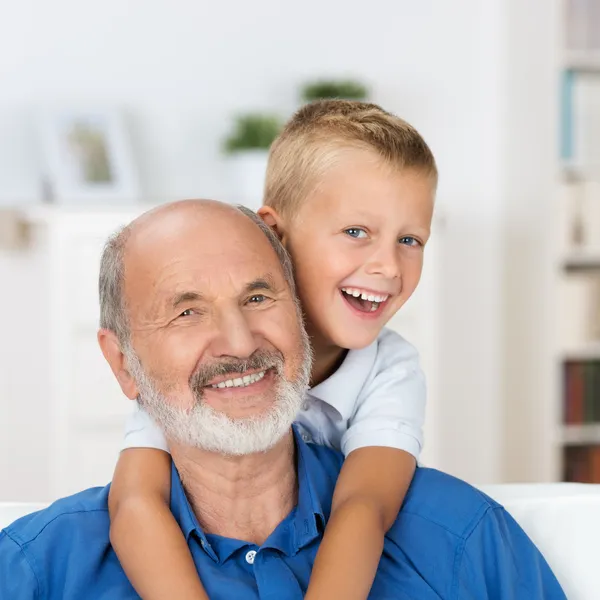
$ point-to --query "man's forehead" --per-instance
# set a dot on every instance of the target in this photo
(199, 247)
(215, 279)
(208, 273)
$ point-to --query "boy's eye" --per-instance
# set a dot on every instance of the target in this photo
(356, 232)
(410, 241)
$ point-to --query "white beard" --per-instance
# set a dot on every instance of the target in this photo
(204, 427)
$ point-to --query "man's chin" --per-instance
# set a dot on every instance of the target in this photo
(250, 409)
(215, 431)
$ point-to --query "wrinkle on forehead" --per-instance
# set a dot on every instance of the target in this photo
(177, 247)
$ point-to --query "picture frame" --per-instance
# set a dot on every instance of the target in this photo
(87, 157)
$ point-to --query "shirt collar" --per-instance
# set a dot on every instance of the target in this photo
(314, 506)
(342, 388)
(184, 515)
(305, 522)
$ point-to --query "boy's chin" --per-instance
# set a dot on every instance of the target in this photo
(354, 340)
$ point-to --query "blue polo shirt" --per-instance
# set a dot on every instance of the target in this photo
(450, 541)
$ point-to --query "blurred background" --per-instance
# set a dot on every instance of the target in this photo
(108, 108)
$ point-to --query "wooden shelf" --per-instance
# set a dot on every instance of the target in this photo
(590, 351)
(582, 260)
(581, 435)
(582, 61)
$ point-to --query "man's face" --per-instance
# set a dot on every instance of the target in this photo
(213, 322)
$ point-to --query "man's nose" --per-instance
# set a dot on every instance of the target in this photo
(385, 262)
(234, 335)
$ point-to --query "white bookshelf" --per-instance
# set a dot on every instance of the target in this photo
(581, 435)
(581, 259)
(582, 61)
(585, 351)
(578, 262)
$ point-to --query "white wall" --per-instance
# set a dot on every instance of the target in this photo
(531, 242)
(182, 68)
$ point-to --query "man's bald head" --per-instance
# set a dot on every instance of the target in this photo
(156, 231)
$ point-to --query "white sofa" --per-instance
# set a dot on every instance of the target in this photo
(562, 519)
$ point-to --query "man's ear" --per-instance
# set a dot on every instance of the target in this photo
(109, 344)
(274, 220)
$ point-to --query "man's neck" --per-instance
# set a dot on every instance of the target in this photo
(243, 497)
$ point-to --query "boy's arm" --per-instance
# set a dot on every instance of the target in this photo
(146, 537)
(369, 493)
(383, 439)
(498, 561)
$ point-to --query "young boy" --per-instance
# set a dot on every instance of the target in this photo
(350, 191)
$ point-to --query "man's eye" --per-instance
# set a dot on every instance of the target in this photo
(410, 241)
(257, 299)
(187, 313)
(356, 232)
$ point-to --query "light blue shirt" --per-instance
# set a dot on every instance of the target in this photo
(450, 541)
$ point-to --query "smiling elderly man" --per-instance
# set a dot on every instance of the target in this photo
(194, 292)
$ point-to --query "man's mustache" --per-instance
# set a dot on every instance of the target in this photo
(260, 360)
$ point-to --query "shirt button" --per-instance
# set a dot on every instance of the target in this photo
(305, 406)
(250, 555)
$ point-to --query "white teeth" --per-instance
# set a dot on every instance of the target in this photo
(240, 381)
(366, 296)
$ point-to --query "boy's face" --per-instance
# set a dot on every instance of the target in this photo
(357, 245)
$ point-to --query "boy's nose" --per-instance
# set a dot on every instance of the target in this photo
(385, 263)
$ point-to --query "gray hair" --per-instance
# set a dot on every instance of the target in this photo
(113, 312)
(282, 254)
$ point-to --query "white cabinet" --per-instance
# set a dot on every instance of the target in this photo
(61, 409)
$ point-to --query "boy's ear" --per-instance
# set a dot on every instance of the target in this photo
(274, 220)
(109, 344)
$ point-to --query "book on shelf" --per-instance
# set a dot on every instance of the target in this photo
(579, 305)
(582, 464)
(582, 23)
(581, 124)
(581, 392)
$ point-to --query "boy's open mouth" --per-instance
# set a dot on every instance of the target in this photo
(362, 300)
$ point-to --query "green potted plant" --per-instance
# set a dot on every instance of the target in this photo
(247, 148)
(346, 89)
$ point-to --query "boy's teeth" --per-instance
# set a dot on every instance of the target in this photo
(364, 296)
(244, 381)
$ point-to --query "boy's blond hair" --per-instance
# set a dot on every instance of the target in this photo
(311, 140)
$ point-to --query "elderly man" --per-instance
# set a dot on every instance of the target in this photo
(195, 293)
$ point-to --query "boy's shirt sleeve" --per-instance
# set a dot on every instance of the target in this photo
(390, 410)
(142, 432)
(499, 562)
